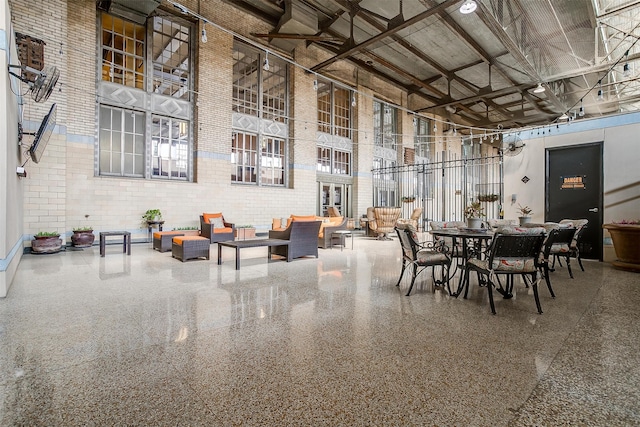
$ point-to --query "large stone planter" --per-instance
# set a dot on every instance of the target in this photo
(82, 238)
(626, 243)
(46, 244)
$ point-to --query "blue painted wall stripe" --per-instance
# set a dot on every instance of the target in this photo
(4, 263)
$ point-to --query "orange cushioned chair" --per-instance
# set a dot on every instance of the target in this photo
(215, 228)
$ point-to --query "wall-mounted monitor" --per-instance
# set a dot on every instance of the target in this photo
(42, 136)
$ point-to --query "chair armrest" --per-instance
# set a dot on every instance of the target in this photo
(436, 246)
(279, 234)
(205, 228)
(229, 225)
(331, 228)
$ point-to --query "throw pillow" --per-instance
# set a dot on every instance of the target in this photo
(217, 222)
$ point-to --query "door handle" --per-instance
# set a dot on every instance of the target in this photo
(593, 210)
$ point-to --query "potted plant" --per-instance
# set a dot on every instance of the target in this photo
(152, 215)
(245, 232)
(46, 242)
(525, 212)
(188, 231)
(408, 199)
(474, 213)
(625, 236)
(82, 237)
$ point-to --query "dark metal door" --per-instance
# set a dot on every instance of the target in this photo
(574, 191)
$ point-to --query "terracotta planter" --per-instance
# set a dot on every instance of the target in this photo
(83, 238)
(626, 242)
(46, 244)
(245, 233)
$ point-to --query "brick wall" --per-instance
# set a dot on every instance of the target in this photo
(63, 191)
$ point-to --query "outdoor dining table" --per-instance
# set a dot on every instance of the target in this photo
(471, 241)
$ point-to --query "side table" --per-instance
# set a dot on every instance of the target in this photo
(126, 241)
(150, 225)
(342, 234)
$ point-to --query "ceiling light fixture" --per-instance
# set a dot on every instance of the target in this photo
(600, 93)
(265, 65)
(564, 116)
(204, 32)
(626, 71)
(469, 6)
(581, 111)
(539, 88)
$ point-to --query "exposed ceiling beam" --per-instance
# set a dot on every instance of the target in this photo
(352, 49)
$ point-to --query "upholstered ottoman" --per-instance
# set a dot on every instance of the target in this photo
(162, 239)
(189, 247)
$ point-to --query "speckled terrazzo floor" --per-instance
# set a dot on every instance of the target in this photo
(149, 340)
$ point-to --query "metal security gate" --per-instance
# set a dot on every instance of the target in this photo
(443, 188)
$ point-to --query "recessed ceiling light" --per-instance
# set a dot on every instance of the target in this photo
(469, 6)
(539, 88)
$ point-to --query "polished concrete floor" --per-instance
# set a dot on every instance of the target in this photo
(148, 340)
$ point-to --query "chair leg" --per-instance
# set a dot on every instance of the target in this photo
(546, 279)
(413, 278)
(404, 266)
(535, 294)
(490, 290)
(569, 267)
(580, 262)
(466, 283)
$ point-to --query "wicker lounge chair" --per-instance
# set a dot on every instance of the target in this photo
(303, 236)
(216, 234)
(385, 221)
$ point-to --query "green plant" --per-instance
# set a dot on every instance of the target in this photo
(474, 210)
(47, 234)
(152, 214)
(83, 229)
(245, 226)
(408, 199)
(186, 228)
(524, 210)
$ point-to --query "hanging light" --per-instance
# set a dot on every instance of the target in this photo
(353, 100)
(204, 32)
(469, 6)
(315, 85)
(564, 116)
(581, 111)
(600, 93)
(539, 88)
(435, 127)
(626, 71)
(265, 65)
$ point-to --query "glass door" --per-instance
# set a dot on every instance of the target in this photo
(334, 195)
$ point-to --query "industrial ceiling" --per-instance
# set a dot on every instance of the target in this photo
(484, 68)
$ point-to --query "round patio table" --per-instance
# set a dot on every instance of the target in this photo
(472, 242)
